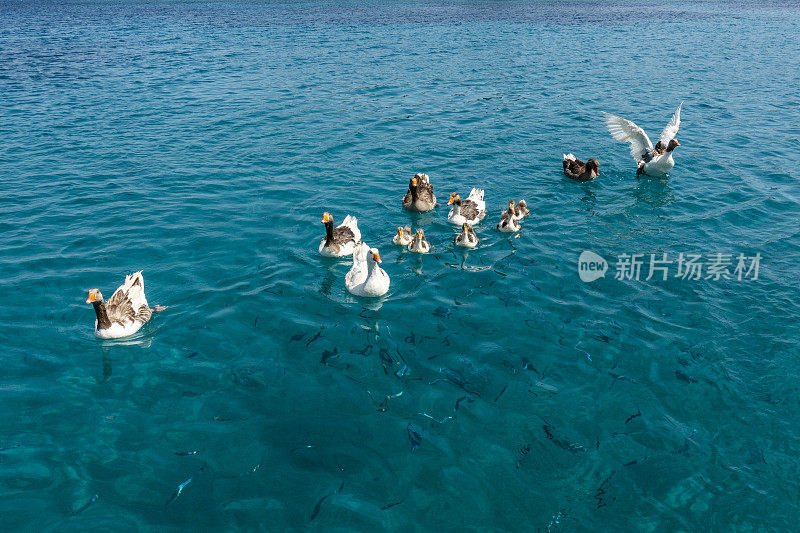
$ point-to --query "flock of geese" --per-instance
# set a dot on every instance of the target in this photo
(127, 310)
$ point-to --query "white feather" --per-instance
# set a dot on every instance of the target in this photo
(671, 130)
(626, 131)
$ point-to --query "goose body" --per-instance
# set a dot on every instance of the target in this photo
(467, 237)
(420, 195)
(419, 243)
(521, 210)
(358, 272)
(578, 170)
(374, 283)
(652, 160)
(403, 236)
(342, 240)
(508, 221)
(472, 210)
(125, 312)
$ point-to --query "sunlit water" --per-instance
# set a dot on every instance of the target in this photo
(201, 142)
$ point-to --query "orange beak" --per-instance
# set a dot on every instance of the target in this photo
(92, 298)
(326, 217)
(376, 257)
(414, 182)
(451, 200)
(676, 142)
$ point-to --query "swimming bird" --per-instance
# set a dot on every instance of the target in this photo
(376, 282)
(420, 195)
(655, 161)
(342, 240)
(467, 237)
(508, 222)
(472, 210)
(358, 272)
(125, 312)
(578, 170)
(403, 237)
(419, 244)
(521, 210)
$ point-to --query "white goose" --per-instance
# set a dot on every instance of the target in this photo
(655, 161)
(125, 312)
(342, 240)
(472, 210)
(358, 272)
(376, 281)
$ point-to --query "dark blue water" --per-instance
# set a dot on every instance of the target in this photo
(201, 142)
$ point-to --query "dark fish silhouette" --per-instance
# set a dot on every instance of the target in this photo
(327, 355)
(501, 392)
(414, 437)
(638, 413)
(86, 505)
(315, 337)
(317, 507)
(390, 505)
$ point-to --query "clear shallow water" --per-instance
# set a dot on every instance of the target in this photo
(201, 143)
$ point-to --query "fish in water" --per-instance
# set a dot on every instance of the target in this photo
(192, 452)
(327, 355)
(390, 505)
(315, 337)
(638, 413)
(297, 337)
(182, 486)
(86, 505)
(317, 507)
(501, 392)
(414, 437)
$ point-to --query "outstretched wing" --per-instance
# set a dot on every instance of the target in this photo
(626, 131)
(671, 130)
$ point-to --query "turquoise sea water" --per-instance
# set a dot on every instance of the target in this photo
(201, 142)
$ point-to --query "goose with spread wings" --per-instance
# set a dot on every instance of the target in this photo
(652, 160)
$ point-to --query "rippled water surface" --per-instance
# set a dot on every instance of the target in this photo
(201, 142)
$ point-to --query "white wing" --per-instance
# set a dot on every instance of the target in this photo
(671, 130)
(627, 131)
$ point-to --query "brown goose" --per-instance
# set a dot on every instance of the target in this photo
(467, 237)
(342, 240)
(578, 170)
(420, 195)
(125, 312)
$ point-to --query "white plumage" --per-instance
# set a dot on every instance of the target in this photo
(656, 161)
(472, 210)
(374, 283)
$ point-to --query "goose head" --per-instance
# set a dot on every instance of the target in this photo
(593, 165)
(455, 198)
(94, 296)
(373, 258)
(672, 144)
